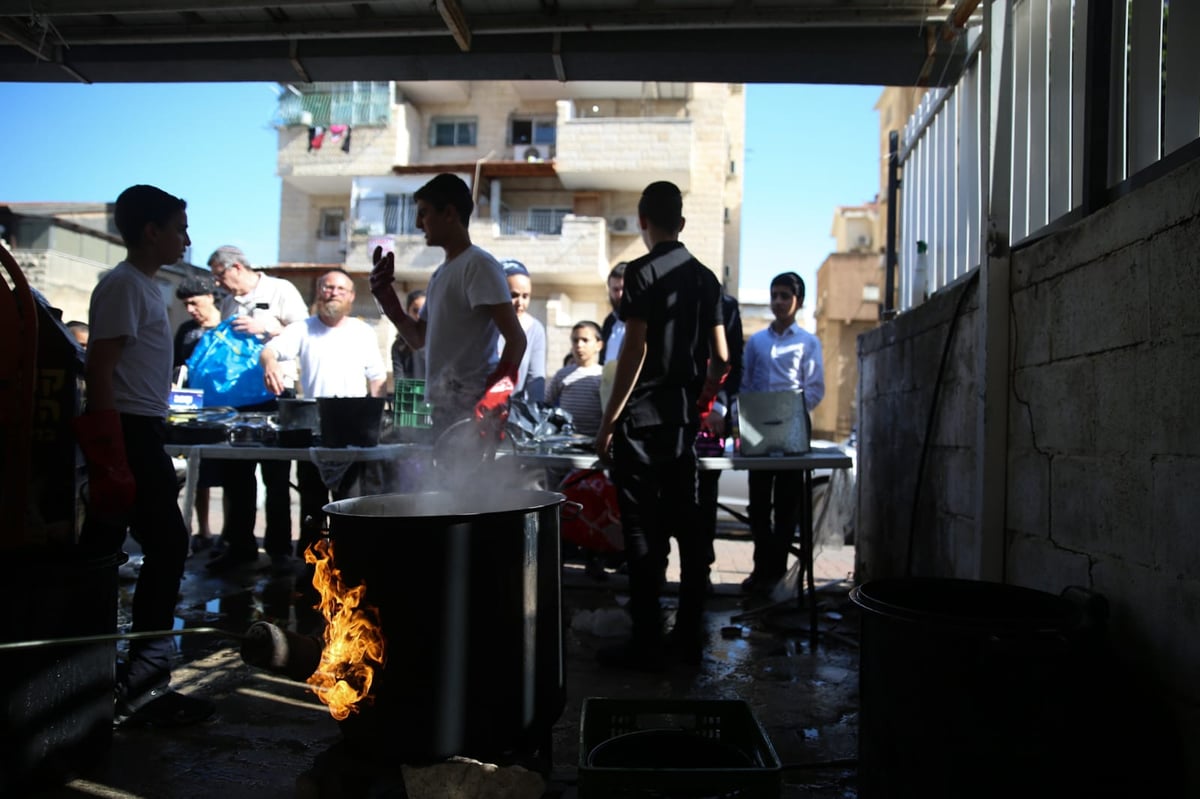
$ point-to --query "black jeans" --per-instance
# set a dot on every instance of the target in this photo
(654, 469)
(778, 491)
(157, 525)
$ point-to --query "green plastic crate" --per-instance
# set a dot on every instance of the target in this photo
(727, 722)
(409, 408)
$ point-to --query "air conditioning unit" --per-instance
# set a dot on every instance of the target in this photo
(532, 152)
(863, 240)
(624, 225)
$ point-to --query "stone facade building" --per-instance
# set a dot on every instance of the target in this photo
(556, 168)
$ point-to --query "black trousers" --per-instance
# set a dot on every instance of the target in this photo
(777, 492)
(654, 469)
(707, 492)
(157, 525)
(241, 493)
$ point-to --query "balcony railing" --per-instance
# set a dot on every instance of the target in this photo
(547, 222)
(363, 103)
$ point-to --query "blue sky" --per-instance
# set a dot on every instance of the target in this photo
(808, 150)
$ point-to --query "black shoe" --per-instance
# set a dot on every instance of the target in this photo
(758, 584)
(282, 566)
(232, 559)
(629, 656)
(749, 584)
(686, 647)
(161, 707)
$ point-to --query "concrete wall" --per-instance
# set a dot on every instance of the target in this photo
(1103, 485)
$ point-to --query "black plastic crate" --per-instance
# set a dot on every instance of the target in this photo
(679, 730)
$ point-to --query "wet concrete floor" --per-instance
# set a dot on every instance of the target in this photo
(268, 730)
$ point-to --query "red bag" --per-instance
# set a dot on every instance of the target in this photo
(597, 525)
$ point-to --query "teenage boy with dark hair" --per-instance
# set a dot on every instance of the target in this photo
(781, 357)
(612, 331)
(131, 480)
(671, 365)
(467, 306)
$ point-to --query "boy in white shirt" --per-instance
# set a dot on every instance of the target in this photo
(783, 357)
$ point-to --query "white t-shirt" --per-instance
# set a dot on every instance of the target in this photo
(460, 336)
(334, 361)
(576, 389)
(282, 302)
(127, 304)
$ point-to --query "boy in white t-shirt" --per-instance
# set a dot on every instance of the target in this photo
(467, 305)
(131, 480)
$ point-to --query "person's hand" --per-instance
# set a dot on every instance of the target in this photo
(273, 378)
(248, 324)
(603, 444)
(500, 385)
(383, 276)
(713, 422)
(708, 394)
(111, 487)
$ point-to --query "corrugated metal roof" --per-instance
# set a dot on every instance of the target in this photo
(813, 41)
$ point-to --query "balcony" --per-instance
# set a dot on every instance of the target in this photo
(576, 255)
(357, 104)
(623, 153)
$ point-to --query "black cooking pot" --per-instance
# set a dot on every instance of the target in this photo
(470, 600)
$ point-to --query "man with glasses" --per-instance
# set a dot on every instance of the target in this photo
(339, 357)
(262, 306)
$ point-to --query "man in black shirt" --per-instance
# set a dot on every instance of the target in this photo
(672, 363)
(612, 332)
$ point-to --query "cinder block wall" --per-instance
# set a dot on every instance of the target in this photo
(1104, 443)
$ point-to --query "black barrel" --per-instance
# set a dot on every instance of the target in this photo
(966, 689)
(57, 702)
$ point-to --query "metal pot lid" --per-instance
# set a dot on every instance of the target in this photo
(431, 504)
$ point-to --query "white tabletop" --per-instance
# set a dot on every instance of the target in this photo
(232, 452)
(817, 458)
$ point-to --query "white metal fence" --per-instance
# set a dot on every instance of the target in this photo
(1153, 110)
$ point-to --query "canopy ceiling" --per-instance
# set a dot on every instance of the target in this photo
(873, 42)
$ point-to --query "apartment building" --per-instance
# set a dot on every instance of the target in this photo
(848, 293)
(556, 170)
(64, 248)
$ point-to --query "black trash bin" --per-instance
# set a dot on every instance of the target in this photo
(966, 690)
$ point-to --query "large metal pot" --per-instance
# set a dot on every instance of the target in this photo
(470, 599)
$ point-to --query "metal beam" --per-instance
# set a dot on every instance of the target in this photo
(456, 21)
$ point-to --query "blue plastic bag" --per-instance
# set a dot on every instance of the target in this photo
(225, 364)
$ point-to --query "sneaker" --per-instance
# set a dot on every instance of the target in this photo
(161, 707)
(685, 647)
(201, 543)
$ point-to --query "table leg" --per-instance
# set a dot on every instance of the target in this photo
(190, 480)
(806, 555)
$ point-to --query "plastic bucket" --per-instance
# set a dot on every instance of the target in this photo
(58, 702)
(350, 421)
(965, 689)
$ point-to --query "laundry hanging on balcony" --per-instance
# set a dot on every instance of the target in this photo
(316, 135)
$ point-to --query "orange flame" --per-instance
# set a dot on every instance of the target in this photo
(353, 637)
